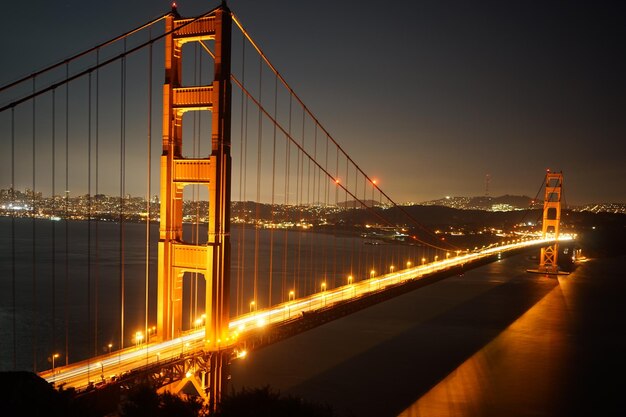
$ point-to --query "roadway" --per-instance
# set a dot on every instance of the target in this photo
(106, 367)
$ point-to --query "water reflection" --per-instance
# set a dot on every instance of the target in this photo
(520, 372)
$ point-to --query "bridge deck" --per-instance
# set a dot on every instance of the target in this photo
(295, 315)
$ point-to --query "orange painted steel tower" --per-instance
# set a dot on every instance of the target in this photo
(176, 256)
(551, 221)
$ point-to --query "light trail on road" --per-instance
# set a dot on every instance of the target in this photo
(106, 367)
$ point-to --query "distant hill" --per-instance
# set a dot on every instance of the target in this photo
(357, 204)
(502, 203)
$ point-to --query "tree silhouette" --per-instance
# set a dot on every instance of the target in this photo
(263, 402)
(144, 401)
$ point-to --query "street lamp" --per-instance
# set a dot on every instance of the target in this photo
(447, 255)
(252, 304)
(350, 279)
(292, 295)
(150, 331)
(138, 338)
(54, 356)
(436, 256)
(391, 268)
(110, 345)
(423, 261)
(372, 273)
(408, 264)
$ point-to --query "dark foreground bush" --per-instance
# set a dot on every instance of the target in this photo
(263, 402)
(144, 401)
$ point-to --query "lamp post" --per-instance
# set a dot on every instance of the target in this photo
(323, 293)
(408, 264)
(54, 356)
(252, 305)
(110, 345)
(138, 338)
(292, 297)
(372, 273)
(350, 279)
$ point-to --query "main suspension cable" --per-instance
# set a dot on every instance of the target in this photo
(329, 136)
(86, 52)
(99, 65)
(319, 166)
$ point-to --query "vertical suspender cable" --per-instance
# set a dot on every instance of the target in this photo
(53, 225)
(258, 186)
(324, 246)
(13, 306)
(34, 224)
(273, 201)
(378, 267)
(122, 183)
(67, 202)
(97, 214)
(148, 191)
(296, 276)
(309, 240)
(240, 240)
(244, 162)
(315, 264)
(337, 206)
(287, 171)
(349, 208)
(88, 321)
(366, 254)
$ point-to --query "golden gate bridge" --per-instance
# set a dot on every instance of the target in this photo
(218, 279)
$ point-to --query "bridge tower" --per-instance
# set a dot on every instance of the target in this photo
(175, 256)
(551, 222)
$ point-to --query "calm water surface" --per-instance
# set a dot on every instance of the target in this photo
(55, 268)
(493, 342)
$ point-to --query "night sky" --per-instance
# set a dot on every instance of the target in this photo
(427, 96)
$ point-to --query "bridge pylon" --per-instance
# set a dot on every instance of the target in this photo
(175, 256)
(548, 261)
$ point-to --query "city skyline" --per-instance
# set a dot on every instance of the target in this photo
(427, 97)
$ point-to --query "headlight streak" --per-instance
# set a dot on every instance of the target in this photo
(134, 357)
